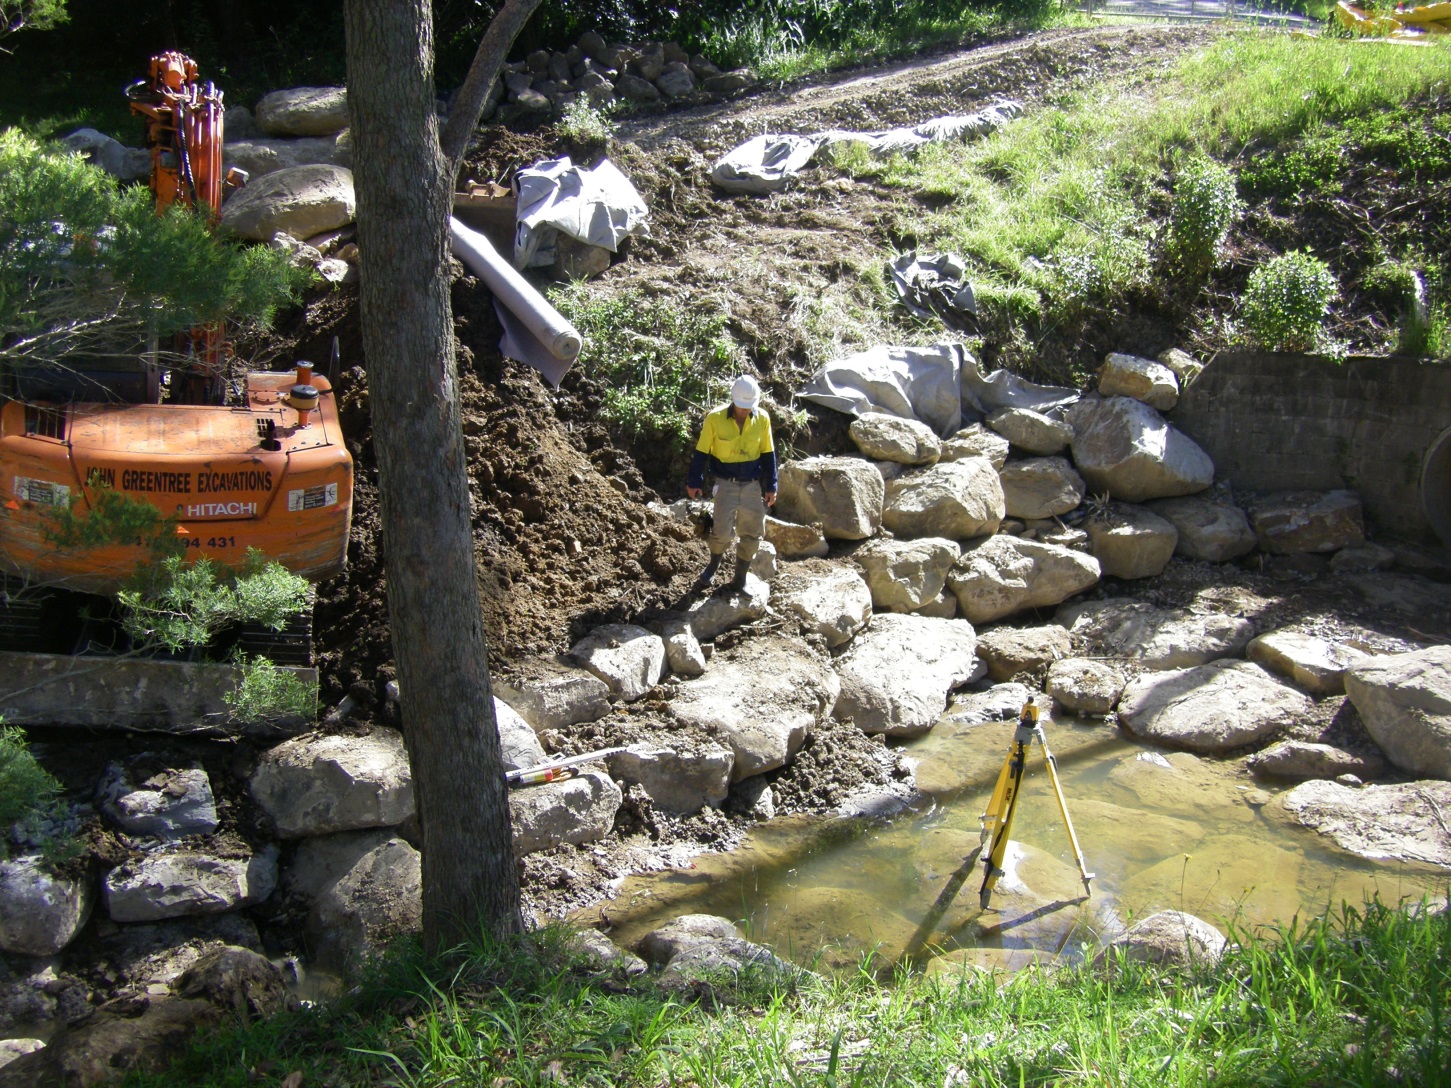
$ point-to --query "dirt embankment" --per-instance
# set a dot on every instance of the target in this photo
(565, 536)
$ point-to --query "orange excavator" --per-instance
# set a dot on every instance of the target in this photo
(233, 461)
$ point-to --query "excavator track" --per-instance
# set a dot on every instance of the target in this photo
(290, 646)
(21, 613)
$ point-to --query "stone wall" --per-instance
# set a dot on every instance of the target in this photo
(1285, 422)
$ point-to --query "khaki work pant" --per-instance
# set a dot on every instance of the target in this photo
(740, 510)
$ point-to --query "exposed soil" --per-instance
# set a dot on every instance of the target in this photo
(565, 532)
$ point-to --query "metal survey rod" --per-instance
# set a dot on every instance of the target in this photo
(550, 771)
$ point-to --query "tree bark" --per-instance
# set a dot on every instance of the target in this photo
(404, 192)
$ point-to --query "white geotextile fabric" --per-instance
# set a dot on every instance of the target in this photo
(913, 383)
(766, 164)
(599, 206)
(939, 385)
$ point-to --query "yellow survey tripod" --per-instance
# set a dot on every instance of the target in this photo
(997, 821)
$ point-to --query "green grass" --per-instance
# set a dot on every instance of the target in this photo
(661, 365)
(1357, 997)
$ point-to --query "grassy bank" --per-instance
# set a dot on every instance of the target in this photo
(1358, 997)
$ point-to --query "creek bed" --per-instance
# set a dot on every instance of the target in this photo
(1159, 829)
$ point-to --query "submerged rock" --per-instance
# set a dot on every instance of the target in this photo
(1403, 823)
(1169, 938)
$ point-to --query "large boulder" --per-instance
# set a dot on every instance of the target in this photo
(1169, 938)
(176, 882)
(146, 796)
(1126, 449)
(830, 600)
(1004, 575)
(841, 494)
(1210, 708)
(1209, 530)
(1298, 759)
(320, 862)
(1040, 487)
(885, 437)
(629, 659)
(1009, 651)
(262, 157)
(518, 743)
(1293, 522)
(761, 699)
(793, 541)
(378, 897)
(40, 912)
(679, 777)
(551, 695)
(1405, 702)
(1084, 686)
(315, 785)
(1401, 823)
(1031, 431)
(121, 162)
(1130, 541)
(1155, 637)
(977, 440)
(300, 201)
(896, 676)
(577, 810)
(303, 111)
(906, 575)
(1313, 663)
(956, 501)
(1142, 379)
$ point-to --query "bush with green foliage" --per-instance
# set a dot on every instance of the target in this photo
(585, 123)
(111, 517)
(18, 15)
(1286, 300)
(27, 790)
(660, 364)
(1205, 207)
(269, 692)
(88, 266)
(179, 605)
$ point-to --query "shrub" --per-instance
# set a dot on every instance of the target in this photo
(269, 692)
(85, 265)
(1205, 206)
(1287, 299)
(180, 605)
(27, 790)
(584, 123)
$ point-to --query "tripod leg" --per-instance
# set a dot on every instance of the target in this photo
(990, 816)
(1063, 808)
(992, 859)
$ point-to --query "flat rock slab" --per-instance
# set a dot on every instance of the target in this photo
(1211, 708)
(760, 699)
(897, 675)
(1312, 663)
(1404, 822)
(1156, 638)
(1293, 522)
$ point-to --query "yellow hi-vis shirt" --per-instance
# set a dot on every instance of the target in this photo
(721, 439)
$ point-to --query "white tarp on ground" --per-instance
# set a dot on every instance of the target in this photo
(599, 206)
(914, 383)
(766, 164)
(939, 385)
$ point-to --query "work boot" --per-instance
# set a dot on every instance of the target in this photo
(738, 582)
(712, 568)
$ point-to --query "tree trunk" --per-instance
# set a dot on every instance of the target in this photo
(468, 103)
(404, 192)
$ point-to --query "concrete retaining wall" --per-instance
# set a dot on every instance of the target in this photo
(1288, 422)
(129, 694)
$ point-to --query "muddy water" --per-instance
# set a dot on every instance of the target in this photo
(1158, 830)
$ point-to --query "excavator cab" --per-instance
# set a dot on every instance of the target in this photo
(231, 460)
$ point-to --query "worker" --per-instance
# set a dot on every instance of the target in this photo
(735, 445)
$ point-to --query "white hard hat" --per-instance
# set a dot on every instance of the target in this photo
(746, 392)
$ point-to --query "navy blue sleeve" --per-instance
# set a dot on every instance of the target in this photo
(768, 471)
(696, 476)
